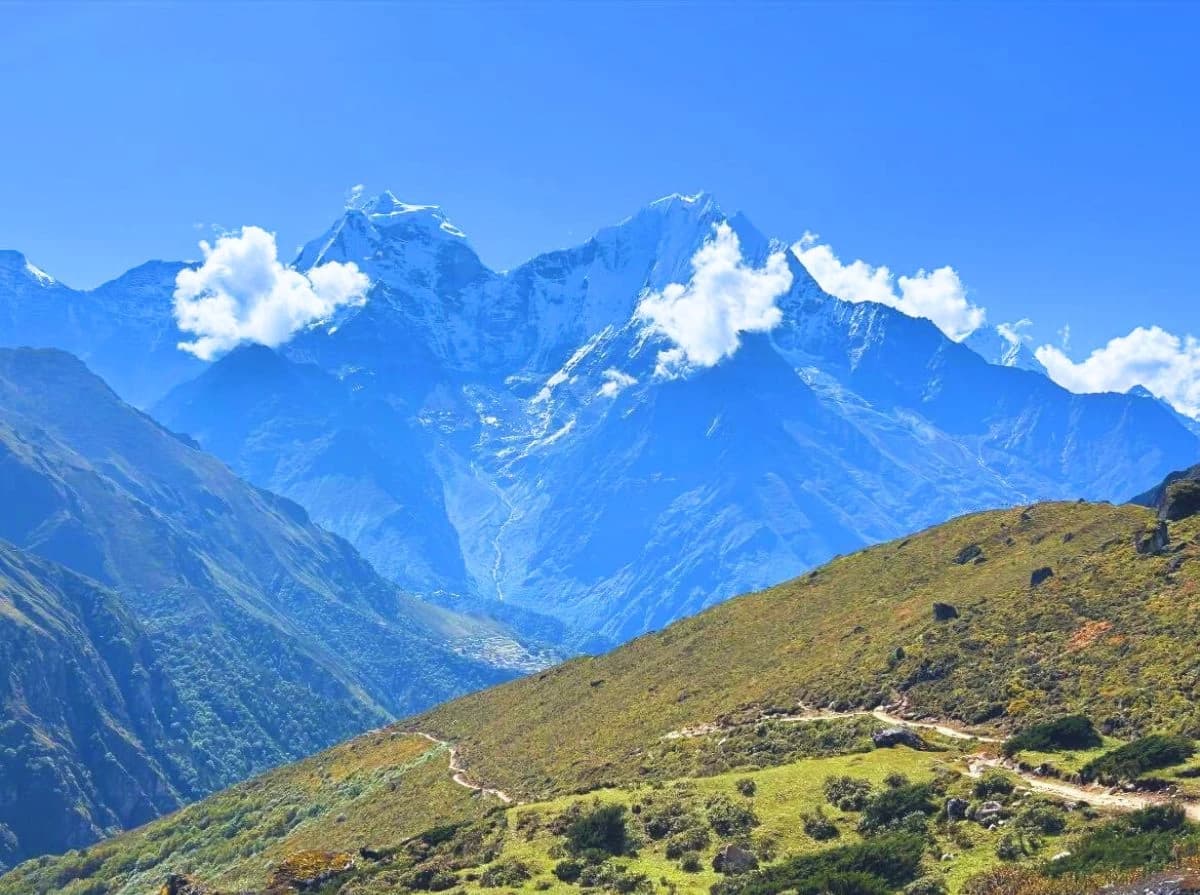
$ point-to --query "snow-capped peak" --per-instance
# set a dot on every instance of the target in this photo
(17, 263)
(385, 208)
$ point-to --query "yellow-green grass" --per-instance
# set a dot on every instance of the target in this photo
(373, 791)
(1112, 635)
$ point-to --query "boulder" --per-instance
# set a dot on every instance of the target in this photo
(897, 736)
(988, 813)
(956, 809)
(733, 859)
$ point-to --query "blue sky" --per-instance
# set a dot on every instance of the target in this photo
(1046, 152)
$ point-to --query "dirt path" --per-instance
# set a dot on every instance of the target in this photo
(1093, 795)
(459, 774)
(976, 764)
(953, 733)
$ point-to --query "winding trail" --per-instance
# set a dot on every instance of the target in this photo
(459, 773)
(1099, 796)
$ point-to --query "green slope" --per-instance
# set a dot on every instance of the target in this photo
(276, 636)
(1112, 634)
(86, 713)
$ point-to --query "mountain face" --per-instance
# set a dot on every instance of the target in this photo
(507, 442)
(1003, 346)
(91, 733)
(124, 330)
(276, 637)
(561, 474)
(746, 711)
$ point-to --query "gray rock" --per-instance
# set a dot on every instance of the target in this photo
(733, 859)
(956, 809)
(897, 736)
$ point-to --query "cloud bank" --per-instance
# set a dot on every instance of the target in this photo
(1166, 364)
(725, 298)
(241, 293)
(938, 295)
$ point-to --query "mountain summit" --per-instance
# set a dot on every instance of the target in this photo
(612, 435)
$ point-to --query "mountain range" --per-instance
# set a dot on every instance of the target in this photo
(507, 441)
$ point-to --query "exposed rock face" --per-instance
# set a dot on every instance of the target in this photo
(1040, 576)
(1154, 542)
(1177, 497)
(897, 736)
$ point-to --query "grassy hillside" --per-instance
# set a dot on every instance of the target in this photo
(690, 731)
(1111, 633)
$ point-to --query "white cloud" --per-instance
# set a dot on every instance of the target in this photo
(725, 298)
(1164, 363)
(615, 382)
(938, 295)
(1014, 333)
(241, 293)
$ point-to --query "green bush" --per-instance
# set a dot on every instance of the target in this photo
(747, 787)
(1041, 818)
(888, 808)
(504, 873)
(729, 818)
(694, 839)
(993, 784)
(1147, 839)
(847, 793)
(601, 829)
(690, 863)
(568, 871)
(1068, 732)
(876, 866)
(819, 827)
(1130, 761)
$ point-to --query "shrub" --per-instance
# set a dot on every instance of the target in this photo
(602, 829)
(1068, 732)
(1146, 839)
(690, 862)
(1134, 759)
(847, 793)
(993, 784)
(504, 873)
(747, 787)
(694, 839)
(819, 827)
(895, 780)
(729, 818)
(1042, 818)
(1009, 848)
(568, 871)
(613, 878)
(889, 807)
(876, 866)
